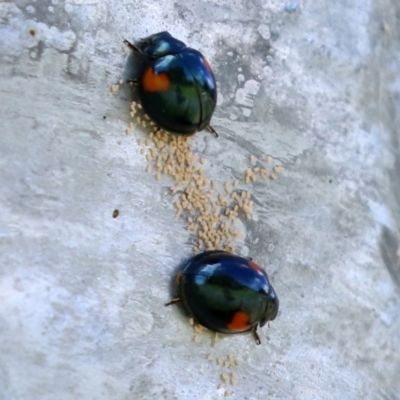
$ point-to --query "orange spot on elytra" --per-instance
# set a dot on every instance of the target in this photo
(255, 266)
(239, 321)
(155, 82)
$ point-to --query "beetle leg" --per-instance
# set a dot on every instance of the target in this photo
(132, 82)
(256, 337)
(212, 131)
(174, 301)
(131, 46)
(215, 337)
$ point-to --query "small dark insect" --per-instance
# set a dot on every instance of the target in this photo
(226, 293)
(104, 117)
(176, 84)
(115, 213)
(32, 32)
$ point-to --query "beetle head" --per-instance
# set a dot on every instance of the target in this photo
(271, 309)
(160, 44)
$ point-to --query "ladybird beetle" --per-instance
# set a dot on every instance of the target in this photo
(176, 85)
(226, 293)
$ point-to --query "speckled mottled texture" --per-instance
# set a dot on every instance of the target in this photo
(315, 84)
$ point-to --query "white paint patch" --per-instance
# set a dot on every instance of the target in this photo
(82, 2)
(264, 31)
(138, 320)
(381, 213)
(62, 41)
(245, 96)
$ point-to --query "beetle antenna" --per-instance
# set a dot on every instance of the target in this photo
(131, 46)
(212, 131)
(256, 337)
(173, 301)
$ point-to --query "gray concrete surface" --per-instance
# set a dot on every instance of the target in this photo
(313, 83)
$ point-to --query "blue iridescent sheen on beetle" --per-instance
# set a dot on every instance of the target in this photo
(176, 85)
(227, 293)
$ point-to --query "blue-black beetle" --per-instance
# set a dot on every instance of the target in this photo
(176, 84)
(226, 293)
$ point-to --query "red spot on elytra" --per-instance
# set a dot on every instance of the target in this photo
(155, 82)
(239, 321)
(255, 266)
